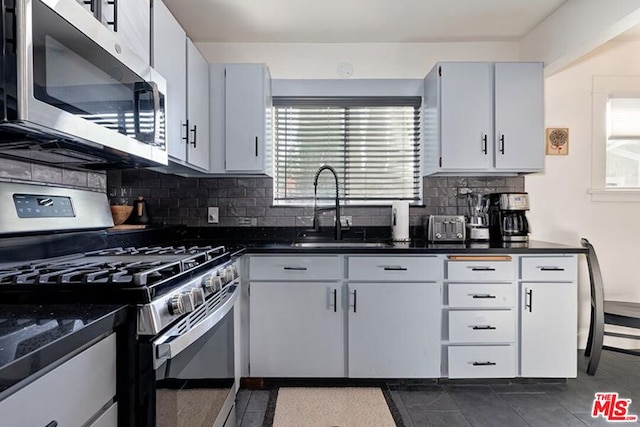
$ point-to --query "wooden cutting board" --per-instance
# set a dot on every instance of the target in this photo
(128, 227)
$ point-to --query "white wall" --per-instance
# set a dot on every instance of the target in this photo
(369, 60)
(561, 209)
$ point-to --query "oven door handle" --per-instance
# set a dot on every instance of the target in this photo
(169, 345)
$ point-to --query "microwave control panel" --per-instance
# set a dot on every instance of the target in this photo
(37, 206)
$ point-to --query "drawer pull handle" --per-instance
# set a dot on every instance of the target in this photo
(335, 300)
(395, 269)
(355, 300)
(483, 296)
(482, 269)
(295, 268)
(551, 268)
(484, 363)
(484, 328)
(52, 424)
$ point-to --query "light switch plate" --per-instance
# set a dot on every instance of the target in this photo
(213, 216)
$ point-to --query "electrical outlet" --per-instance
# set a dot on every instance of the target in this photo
(213, 215)
(345, 221)
(247, 221)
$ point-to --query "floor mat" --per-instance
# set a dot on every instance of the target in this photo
(331, 407)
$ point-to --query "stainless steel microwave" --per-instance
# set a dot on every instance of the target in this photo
(72, 93)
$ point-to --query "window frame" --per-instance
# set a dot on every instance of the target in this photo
(605, 87)
(417, 102)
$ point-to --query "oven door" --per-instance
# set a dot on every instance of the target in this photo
(194, 366)
(76, 80)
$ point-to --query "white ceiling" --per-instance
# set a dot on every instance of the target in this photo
(359, 21)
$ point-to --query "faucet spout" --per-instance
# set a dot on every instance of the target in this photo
(316, 222)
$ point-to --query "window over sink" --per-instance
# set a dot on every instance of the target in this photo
(373, 143)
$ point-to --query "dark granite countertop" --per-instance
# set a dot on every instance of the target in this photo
(33, 337)
(423, 247)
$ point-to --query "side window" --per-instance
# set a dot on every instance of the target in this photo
(615, 153)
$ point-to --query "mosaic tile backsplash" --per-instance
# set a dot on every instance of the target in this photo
(173, 199)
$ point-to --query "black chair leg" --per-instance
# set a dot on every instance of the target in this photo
(587, 350)
(597, 337)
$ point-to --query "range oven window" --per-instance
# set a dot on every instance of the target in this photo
(73, 73)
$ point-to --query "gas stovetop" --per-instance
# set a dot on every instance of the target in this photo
(116, 275)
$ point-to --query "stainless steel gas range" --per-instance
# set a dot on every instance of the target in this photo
(184, 298)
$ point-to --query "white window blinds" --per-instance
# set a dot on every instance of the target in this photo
(373, 144)
(624, 118)
(623, 142)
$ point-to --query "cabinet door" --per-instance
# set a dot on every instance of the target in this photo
(394, 330)
(296, 329)
(548, 338)
(466, 122)
(170, 59)
(134, 25)
(244, 117)
(519, 116)
(197, 107)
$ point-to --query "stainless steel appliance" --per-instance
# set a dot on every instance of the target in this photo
(477, 217)
(507, 217)
(71, 93)
(184, 298)
(446, 228)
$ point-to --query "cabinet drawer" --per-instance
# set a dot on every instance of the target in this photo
(295, 268)
(481, 326)
(70, 394)
(409, 268)
(481, 295)
(549, 268)
(482, 362)
(472, 271)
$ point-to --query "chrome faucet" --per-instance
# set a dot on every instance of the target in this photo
(316, 222)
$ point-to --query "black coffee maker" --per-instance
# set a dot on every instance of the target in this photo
(507, 219)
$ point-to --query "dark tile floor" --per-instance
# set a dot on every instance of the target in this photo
(498, 403)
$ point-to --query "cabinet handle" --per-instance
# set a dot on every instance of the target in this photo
(484, 144)
(395, 269)
(355, 300)
(335, 300)
(484, 363)
(502, 144)
(92, 7)
(52, 424)
(551, 268)
(296, 268)
(484, 328)
(114, 23)
(528, 295)
(256, 146)
(482, 268)
(483, 296)
(195, 135)
(185, 138)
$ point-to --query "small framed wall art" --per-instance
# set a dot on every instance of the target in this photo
(557, 141)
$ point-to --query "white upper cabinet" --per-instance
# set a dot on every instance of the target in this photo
(130, 19)
(484, 118)
(241, 119)
(186, 72)
(197, 108)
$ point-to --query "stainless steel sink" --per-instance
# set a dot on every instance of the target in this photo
(339, 244)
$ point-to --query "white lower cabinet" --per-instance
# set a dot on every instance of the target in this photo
(296, 329)
(71, 394)
(548, 336)
(490, 361)
(394, 330)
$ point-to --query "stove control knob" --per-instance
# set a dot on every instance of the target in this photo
(188, 302)
(197, 294)
(438, 236)
(176, 305)
(212, 283)
(459, 235)
(234, 270)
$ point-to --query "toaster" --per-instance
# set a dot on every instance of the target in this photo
(446, 228)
